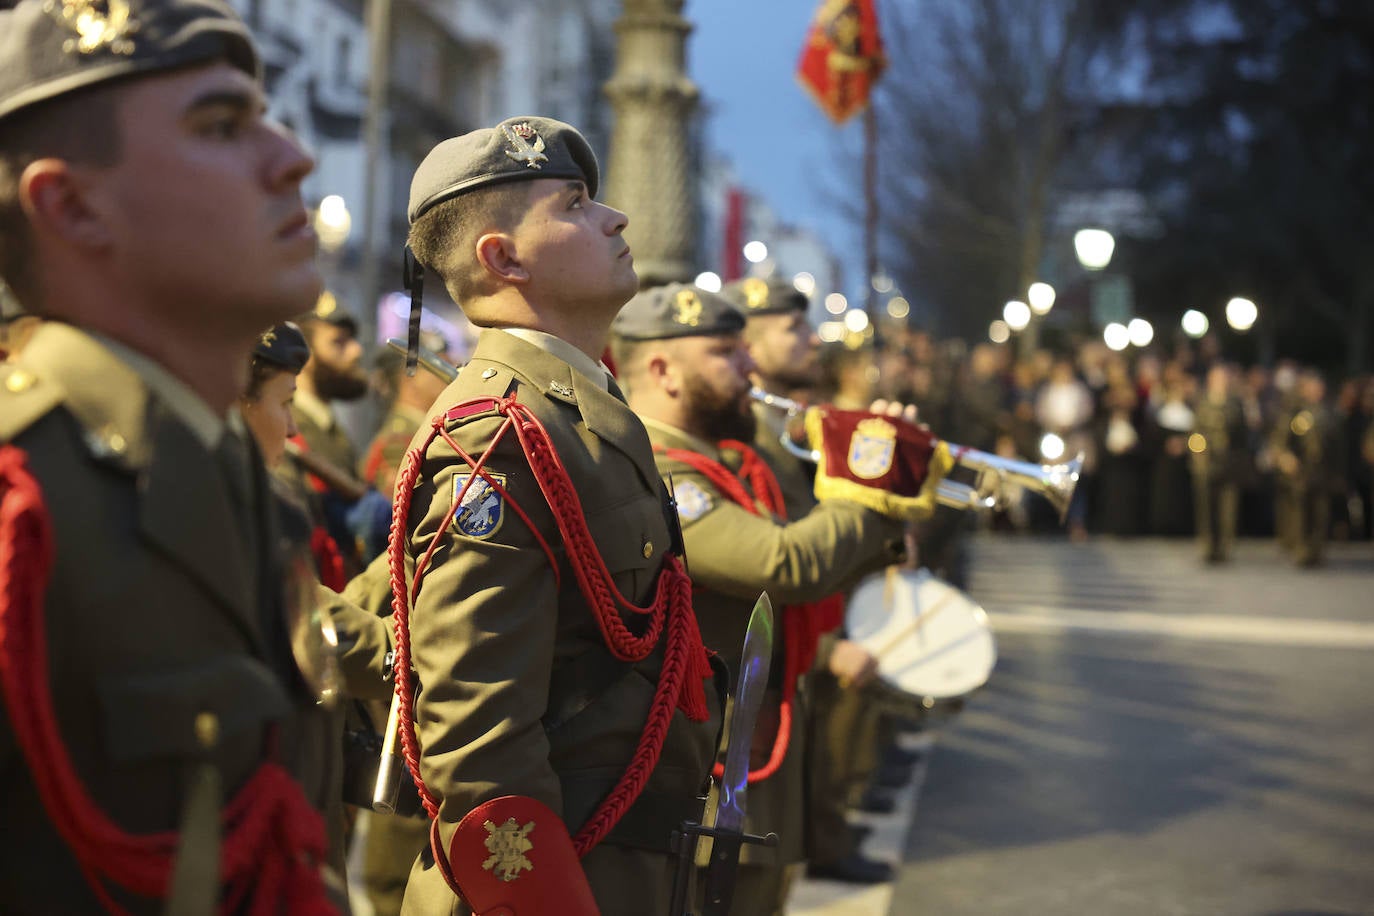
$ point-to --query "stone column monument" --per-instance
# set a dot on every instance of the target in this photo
(650, 174)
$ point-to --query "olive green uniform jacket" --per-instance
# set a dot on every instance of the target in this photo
(158, 608)
(382, 460)
(519, 695)
(733, 555)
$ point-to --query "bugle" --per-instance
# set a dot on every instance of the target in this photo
(996, 476)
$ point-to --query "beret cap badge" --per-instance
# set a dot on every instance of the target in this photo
(97, 23)
(528, 146)
(687, 308)
(755, 292)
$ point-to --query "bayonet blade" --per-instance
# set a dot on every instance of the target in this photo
(749, 690)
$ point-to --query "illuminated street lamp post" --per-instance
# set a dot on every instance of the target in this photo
(649, 174)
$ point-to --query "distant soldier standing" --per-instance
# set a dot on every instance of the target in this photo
(163, 747)
(1308, 454)
(1217, 446)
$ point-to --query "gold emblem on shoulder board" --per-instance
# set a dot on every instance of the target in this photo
(528, 146)
(687, 308)
(508, 845)
(97, 23)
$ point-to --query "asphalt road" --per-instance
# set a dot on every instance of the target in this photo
(1159, 737)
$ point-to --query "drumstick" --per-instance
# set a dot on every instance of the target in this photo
(913, 626)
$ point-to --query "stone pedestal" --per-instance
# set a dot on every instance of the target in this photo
(650, 175)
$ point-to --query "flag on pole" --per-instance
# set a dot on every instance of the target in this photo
(843, 57)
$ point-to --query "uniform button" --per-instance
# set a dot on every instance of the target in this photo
(489, 373)
(116, 443)
(20, 381)
(648, 549)
(207, 729)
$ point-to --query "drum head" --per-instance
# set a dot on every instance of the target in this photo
(931, 639)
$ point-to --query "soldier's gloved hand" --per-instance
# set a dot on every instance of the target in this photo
(852, 664)
(907, 412)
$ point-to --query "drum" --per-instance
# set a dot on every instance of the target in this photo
(933, 643)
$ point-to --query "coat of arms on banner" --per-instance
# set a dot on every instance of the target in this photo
(483, 506)
(871, 448)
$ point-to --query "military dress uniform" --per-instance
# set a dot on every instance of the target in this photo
(519, 693)
(154, 711)
(843, 725)
(1217, 447)
(733, 555)
(1313, 436)
(164, 609)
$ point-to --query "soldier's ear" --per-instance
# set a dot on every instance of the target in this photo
(498, 257)
(662, 373)
(61, 205)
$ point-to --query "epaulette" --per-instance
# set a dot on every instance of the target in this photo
(24, 400)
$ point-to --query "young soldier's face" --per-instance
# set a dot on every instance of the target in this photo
(204, 208)
(573, 249)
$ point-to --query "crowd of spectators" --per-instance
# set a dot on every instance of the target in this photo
(1134, 416)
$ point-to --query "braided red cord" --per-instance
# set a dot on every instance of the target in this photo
(685, 665)
(803, 623)
(273, 840)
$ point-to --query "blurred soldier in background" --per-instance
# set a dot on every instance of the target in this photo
(1308, 454)
(412, 396)
(843, 727)
(685, 372)
(1217, 445)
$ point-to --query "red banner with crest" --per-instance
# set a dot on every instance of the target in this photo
(843, 57)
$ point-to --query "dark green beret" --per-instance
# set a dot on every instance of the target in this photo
(517, 149)
(676, 310)
(754, 296)
(283, 345)
(49, 48)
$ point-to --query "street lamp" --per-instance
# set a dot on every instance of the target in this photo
(755, 252)
(1116, 336)
(333, 222)
(836, 303)
(998, 332)
(855, 320)
(1195, 323)
(1094, 248)
(804, 283)
(1016, 314)
(708, 280)
(1140, 332)
(1041, 298)
(898, 307)
(1241, 314)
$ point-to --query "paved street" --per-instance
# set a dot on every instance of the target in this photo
(1158, 738)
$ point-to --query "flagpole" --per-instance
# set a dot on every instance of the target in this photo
(870, 212)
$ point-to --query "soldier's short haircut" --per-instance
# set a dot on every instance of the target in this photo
(444, 238)
(81, 128)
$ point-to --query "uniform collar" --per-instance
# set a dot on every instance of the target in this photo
(175, 395)
(663, 434)
(557, 346)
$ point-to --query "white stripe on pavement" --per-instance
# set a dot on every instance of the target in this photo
(1288, 631)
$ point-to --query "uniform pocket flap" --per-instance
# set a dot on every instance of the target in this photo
(150, 715)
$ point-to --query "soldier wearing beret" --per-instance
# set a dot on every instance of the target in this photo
(553, 648)
(686, 373)
(843, 721)
(161, 739)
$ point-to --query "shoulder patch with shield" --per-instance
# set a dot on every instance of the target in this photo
(692, 501)
(483, 508)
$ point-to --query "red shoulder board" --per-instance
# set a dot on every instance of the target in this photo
(471, 409)
(512, 856)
